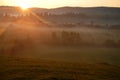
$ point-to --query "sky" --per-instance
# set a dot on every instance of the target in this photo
(60, 3)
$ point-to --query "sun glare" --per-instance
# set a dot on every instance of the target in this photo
(24, 7)
(23, 4)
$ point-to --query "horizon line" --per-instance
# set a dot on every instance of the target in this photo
(65, 6)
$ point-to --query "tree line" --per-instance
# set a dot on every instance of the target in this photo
(67, 38)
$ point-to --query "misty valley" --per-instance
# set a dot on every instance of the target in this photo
(67, 43)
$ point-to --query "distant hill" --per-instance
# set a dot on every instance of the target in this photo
(86, 15)
(87, 10)
(9, 10)
(62, 10)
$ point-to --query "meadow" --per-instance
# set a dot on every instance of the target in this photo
(42, 69)
(31, 52)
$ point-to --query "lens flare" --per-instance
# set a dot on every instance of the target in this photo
(24, 6)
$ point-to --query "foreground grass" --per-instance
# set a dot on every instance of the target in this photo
(31, 69)
(73, 54)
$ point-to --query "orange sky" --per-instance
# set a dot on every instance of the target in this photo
(59, 3)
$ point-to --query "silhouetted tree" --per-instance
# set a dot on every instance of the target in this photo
(54, 38)
(110, 43)
(71, 38)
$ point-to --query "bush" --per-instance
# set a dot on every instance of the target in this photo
(70, 38)
(110, 43)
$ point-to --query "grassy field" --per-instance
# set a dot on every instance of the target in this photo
(40, 69)
(24, 56)
(55, 63)
(73, 54)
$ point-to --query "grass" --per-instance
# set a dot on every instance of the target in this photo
(57, 63)
(39, 69)
(74, 54)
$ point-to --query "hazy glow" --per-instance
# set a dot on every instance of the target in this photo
(24, 5)
(59, 3)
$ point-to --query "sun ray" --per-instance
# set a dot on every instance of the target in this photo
(24, 4)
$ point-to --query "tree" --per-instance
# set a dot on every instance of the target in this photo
(54, 38)
(110, 43)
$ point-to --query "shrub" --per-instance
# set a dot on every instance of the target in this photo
(110, 43)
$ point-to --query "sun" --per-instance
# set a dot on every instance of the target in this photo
(24, 6)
